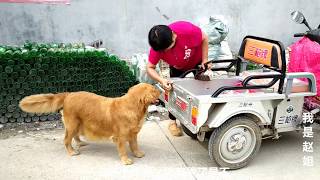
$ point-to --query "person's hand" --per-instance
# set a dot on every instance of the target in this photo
(166, 84)
(209, 65)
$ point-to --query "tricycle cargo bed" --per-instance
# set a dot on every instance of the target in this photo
(201, 91)
(198, 88)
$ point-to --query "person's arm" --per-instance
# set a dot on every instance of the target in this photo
(151, 70)
(205, 46)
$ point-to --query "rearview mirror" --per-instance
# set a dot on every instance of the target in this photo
(297, 17)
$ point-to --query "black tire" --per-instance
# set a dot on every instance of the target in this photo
(317, 118)
(244, 138)
(188, 132)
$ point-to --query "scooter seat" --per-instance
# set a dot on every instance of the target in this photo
(298, 86)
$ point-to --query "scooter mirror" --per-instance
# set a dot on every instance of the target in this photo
(297, 17)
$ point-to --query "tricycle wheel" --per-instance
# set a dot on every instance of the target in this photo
(188, 132)
(317, 118)
(235, 143)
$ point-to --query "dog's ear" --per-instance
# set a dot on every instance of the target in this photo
(140, 92)
(151, 95)
(148, 98)
(145, 93)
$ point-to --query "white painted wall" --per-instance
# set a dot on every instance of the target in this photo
(123, 24)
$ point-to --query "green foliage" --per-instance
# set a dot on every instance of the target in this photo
(252, 66)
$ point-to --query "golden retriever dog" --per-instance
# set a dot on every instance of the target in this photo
(96, 117)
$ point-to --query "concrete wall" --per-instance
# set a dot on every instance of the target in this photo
(123, 24)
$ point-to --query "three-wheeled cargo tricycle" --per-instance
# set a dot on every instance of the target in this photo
(237, 111)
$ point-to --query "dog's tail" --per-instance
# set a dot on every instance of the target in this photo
(43, 103)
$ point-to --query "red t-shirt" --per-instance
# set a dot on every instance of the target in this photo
(187, 51)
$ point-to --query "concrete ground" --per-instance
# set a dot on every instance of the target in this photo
(41, 155)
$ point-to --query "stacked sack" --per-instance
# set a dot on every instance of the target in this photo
(217, 32)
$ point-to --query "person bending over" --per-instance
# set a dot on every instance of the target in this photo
(183, 46)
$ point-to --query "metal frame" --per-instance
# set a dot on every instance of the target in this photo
(275, 77)
(233, 62)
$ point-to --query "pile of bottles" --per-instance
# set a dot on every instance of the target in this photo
(52, 68)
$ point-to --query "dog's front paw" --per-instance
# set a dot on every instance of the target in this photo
(74, 153)
(126, 161)
(80, 144)
(139, 154)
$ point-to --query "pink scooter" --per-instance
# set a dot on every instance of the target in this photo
(305, 57)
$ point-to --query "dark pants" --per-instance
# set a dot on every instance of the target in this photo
(175, 73)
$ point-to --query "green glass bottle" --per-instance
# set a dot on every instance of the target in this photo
(27, 119)
(20, 120)
(3, 120)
